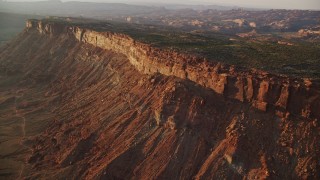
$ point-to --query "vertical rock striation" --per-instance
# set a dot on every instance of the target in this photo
(281, 95)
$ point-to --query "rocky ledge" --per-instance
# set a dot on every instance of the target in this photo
(277, 94)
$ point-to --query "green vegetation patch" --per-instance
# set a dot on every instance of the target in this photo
(301, 59)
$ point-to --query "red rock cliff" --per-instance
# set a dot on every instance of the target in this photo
(281, 95)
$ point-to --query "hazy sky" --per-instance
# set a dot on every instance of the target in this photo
(286, 4)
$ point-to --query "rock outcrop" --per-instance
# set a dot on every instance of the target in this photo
(88, 113)
(281, 95)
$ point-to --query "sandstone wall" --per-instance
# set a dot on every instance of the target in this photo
(278, 94)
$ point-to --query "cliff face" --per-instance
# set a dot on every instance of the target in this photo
(90, 113)
(266, 92)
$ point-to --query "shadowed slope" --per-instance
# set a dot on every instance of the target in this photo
(107, 120)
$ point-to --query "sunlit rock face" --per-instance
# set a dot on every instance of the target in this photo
(266, 92)
(99, 105)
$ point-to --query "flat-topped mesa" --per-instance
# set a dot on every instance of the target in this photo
(49, 28)
(272, 93)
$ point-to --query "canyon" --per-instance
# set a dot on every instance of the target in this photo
(102, 105)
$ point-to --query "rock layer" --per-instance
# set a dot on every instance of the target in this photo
(281, 95)
(90, 114)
